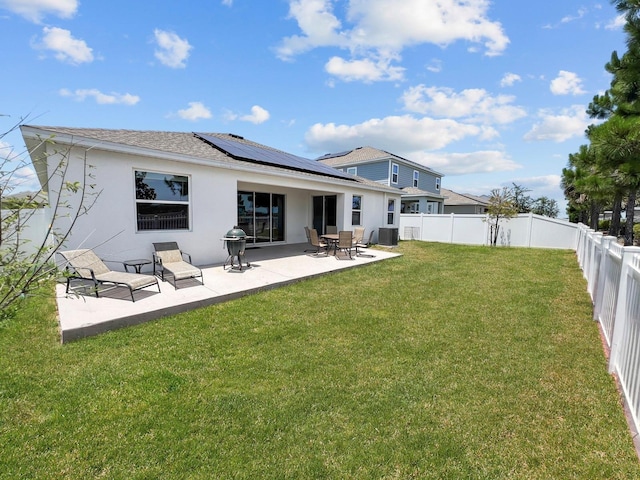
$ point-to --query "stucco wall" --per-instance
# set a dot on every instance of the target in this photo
(109, 227)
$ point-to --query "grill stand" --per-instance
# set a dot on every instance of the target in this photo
(235, 247)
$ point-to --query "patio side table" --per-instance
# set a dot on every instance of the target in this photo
(137, 264)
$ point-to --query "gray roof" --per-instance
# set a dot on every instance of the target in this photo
(183, 144)
(453, 198)
(417, 192)
(367, 155)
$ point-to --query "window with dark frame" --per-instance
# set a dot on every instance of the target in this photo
(162, 201)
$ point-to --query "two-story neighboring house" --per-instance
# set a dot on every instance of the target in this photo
(420, 185)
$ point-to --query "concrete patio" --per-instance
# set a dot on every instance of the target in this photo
(274, 266)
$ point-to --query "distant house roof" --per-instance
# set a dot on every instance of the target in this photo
(453, 198)
(416, 192)
(231, 150)
(367, 155)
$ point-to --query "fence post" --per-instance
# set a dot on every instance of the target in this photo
(451, 228)
(621, 307)
(598, 293)
(529, 228)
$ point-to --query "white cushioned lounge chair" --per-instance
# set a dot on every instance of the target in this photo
(84, 264)
(168, 258)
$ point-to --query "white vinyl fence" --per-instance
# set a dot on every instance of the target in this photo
(613, 281)
(525, 230)
(32, 234)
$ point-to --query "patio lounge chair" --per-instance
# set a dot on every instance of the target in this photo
(84, 264)
(317, 243)
(345, 243)
(168, 258)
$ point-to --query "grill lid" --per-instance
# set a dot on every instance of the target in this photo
(235, 233)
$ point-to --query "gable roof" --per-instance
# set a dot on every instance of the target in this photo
(453, 198)
(416, 192)
(367, 155)
(190, 147)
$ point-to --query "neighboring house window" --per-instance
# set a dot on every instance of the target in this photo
(352, 170)
(437, 183)
(356, 210)
(416, 177)
(391, 210)
(394, 172)
(162, 201)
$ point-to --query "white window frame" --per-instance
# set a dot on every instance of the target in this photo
(391, 211)
(356, 211)
(437, 183)
(416, 178)
(352, 170)
(138, 201)
(395, 173)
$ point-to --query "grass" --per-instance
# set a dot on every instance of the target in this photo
(451, 362)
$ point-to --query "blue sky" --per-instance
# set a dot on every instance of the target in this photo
(486, 92)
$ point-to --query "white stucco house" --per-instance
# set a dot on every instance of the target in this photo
(192, 188)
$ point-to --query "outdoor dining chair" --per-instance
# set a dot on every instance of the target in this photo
(363, 245)
(168, 258)
(358, 235)
(308, 234)
(345, 243)
(84, 264)
(318, 244)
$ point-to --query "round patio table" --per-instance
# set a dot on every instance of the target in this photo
(136, 264)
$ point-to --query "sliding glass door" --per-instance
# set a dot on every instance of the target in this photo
(324, 212)
(261, 216)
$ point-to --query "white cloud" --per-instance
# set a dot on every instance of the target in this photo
(378, 31)
(366, 70)
(258, 115)
(566, 83)
(569, 123)
(394, 133)
(67, 49)
(35, 10)
(228, 3)
(617, 23)
(173, 51)
(474, 105)
(542, 185)
(196, 111)
(435, 66)
(112, 98)
(482, 161)
(570, 18)
(509, 79)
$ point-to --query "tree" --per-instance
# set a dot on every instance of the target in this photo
(616, 140)
(24, 267)
(521, 201)
(501, 207)
(545, 206)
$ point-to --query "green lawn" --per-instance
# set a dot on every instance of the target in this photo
(450, 362)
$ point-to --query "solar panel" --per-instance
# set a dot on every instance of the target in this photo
(253, 153)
